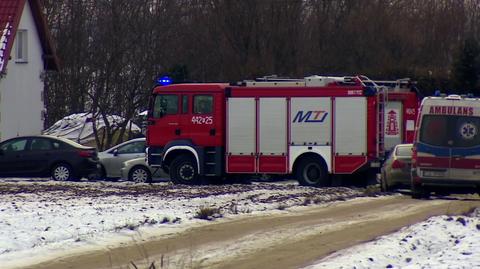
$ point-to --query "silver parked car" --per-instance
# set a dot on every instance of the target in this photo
(396, 169)
(111, 159)
(137, 170)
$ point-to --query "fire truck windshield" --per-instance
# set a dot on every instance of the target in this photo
(165, 104)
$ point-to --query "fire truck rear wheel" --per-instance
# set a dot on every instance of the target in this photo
(183, 170)
(312, 172)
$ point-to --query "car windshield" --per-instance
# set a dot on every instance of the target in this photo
(450, 131)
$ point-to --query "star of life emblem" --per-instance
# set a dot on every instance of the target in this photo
(468, 131)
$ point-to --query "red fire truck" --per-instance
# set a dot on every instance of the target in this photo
(312, 128)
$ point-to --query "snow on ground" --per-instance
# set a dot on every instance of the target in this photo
(39, 216)
(439, 242)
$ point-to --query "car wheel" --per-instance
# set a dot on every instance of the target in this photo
(183, 170)
(383, 183)
(62, 172)
(312, 172)
(419, 192)
(103, 173)
(140, 174)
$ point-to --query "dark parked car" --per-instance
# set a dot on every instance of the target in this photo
(44, 155)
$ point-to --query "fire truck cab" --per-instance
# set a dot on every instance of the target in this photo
(311, 128)
(446, 153)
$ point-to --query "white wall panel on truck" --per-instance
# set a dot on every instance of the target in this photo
(273, 126)
(310, 121)
(241, 126)
(351, 126)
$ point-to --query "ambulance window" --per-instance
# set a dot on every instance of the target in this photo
(165, 105)
(184, 104)
(202, 104)
(434, 130)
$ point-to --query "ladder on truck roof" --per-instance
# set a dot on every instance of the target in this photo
(311, 81)
(382, 99)
(322, 81)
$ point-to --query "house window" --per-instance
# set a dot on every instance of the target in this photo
(21, 52)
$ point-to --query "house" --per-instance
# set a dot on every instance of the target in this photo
(26, 52)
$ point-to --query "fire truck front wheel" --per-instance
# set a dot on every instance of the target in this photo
(312, 172)
(183, 170)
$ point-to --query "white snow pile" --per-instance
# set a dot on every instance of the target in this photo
(439, 242)
(79, 127)
(39, 216)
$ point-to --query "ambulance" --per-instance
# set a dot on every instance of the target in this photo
(446, 152)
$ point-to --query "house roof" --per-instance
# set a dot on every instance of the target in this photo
(10, 14)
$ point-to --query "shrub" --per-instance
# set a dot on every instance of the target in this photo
(207, 213)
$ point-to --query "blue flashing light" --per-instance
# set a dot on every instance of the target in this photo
(437, 93)
(164, 81)
(369, 91)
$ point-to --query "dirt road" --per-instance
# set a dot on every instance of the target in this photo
(290, 240)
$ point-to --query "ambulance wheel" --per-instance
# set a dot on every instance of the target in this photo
(419, 192)
(183, 170)
(312, 172)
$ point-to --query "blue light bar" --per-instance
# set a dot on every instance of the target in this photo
(164, 81)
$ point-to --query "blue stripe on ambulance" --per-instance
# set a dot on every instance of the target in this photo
(436, 151)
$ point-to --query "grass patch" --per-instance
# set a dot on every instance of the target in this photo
(372, 190)
(208, 213)
(308, 200)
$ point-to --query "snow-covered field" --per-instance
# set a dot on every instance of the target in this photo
(39, 216)
(439, 242)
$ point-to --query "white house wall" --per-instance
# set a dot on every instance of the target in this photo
(21, 90)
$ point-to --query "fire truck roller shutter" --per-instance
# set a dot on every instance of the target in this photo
(310, 121)
(311, 140)
(351, 126)
(241, 141)
(272, 130)
(350, 133)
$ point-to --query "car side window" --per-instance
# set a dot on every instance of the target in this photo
(135, 147)
(40, 144)
(57, 145)
(14, 145)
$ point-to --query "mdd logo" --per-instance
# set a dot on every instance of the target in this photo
(310, 116)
